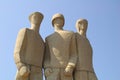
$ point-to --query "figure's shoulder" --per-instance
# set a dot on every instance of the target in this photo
(22, 33)
(77, 34)
(23, 30)
(69, 32)
(49, 36)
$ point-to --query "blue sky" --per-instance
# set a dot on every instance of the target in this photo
(103, 30)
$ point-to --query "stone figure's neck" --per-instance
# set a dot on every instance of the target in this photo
(35, 27)
(58, 28)
(82, 33)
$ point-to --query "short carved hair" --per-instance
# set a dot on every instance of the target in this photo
(40, 15)
(81, 20)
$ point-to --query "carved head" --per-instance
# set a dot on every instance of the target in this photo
(36, 18)
(58, 20)
(81, 25)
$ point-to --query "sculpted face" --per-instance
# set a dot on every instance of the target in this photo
(58, 22)
(35, 19)
(82, 26)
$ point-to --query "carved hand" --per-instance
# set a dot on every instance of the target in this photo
(24, 71)
(48, 71)
(68, 71)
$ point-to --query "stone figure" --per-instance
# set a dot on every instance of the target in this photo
(60, 56)
(84, 67)
(29, 50)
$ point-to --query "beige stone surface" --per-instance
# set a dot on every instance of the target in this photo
(29, 50)
(67, 55)
(60, 56)
(84, 75)
(84, 67)
(58, 74)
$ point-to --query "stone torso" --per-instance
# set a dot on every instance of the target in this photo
(59, 46)
(84, 51)
(34, 48)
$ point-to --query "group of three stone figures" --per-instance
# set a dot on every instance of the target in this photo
(65, 55)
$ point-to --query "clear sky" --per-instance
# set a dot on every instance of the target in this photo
(103, 30)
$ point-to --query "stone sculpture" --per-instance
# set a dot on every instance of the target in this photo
(60, 56)
(84, 68)
(29, 50)
(67, 55)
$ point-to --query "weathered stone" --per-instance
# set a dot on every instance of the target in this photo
(60, 57)
(84, 68)
(29, 50)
